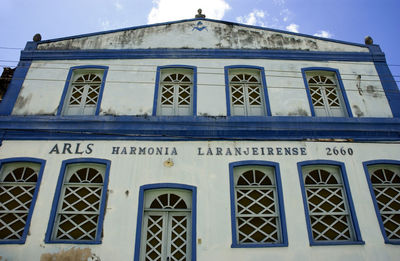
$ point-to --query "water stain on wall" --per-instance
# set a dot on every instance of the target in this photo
(73, 254)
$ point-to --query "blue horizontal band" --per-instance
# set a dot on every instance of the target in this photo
(197, 128)
(164, 53)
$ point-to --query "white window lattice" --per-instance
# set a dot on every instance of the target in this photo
(257, 210)
(166, 233)
(80, 203)
(17, 186)
(325, 94)
(83, 93)
(327, 205)
(385, 181)
(176, 92)
(246, 93)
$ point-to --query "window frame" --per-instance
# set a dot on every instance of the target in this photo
(340, 86)
(346, 187)
(140, 215)
(42, 164)
(67, 86)
(157, 89)
(367, 164)
(264, 89)
(57, 195)
(279, 201)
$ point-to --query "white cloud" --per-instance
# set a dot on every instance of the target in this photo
(105, 24)
(323, 33)
(286, 14)
(118, 5)
(279, 2)
(253, 18)
(170, 10)
(293, 28)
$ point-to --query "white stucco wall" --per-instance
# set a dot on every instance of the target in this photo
(210, 174)
(130, 84)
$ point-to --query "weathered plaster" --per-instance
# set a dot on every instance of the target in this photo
(218, 35)
(72, 254)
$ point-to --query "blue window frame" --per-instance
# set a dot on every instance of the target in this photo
(246, 91)
(257, 209)
(383, 177)
(328, 205)
(166, 217)
(175, 91)
(79, 202)
(83, 90)
(19, 187)
(325, 92)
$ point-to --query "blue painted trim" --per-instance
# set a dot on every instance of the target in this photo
(34, 197)
(358, 239)
(15, 86)
(366, 164)
(141, 211)
(157, 84)
(197, 128)
(172, 53)
(67, 85)
(389, 85)
(57, 195)
(264, 83)
(202, 19)
(282, 215)
(340, 82)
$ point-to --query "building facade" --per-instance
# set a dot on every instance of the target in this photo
(200, 140)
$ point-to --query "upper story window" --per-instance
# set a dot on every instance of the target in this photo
(77, 213)
(384, 182)
(175, 91)
(259, 219)
(328, 205)
(19, 186)
(326, 93)
(246, 91)
(83, 92)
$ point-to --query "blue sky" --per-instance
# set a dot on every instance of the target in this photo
(347, 20)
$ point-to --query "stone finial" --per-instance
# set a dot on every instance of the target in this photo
(37, 38)
(369, 40)
(199, 14)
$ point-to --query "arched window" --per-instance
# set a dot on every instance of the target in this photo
(83, 91)
(19, 183)
(258, 206)
(176, 91)
(385, 182)
(167, 225)
(326, 94)
(328, 205)
(81, 199)
(246, 91)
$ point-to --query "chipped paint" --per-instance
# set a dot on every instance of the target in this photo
(372, 90)
(298, 112)
(22, 101)
(72, 254)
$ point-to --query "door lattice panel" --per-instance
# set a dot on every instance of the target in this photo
(178, 247)
(79, 208)
(154, 238)
(16, 193)
(327, 205)
(386, 186)
(256, 208)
